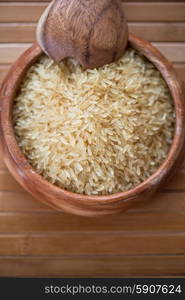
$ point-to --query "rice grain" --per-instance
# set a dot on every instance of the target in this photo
(97, 131)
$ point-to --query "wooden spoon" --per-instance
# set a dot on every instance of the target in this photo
(94, 32)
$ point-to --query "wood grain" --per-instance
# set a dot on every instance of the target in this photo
(22, 202)
(161, 32)
(11, 201)
(149, 239)
(31, 12)
(175, 52)
(177, 183)
(150, 12)
(7, 182)
(17, 32)
(21, 12)
(59, 222)
(95, 243)
(95, 33)
(10, 52)
(93, 266)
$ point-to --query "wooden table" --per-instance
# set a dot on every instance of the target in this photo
(148, 240)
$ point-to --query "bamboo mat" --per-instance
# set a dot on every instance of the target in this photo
(148, 240)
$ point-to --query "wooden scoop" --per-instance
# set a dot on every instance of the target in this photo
(94, 32)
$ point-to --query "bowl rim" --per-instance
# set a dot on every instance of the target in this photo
(11, 85)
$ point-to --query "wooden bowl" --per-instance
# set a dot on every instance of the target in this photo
(72, 202)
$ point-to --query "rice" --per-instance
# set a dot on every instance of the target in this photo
(97, 131)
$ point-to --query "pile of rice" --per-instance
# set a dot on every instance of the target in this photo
(97, 131)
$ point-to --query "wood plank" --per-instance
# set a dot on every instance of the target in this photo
(159, 32)
(21, 12)
(17, 32)
(59, 222)
(146, 241)
(162, 11)
(30, 12)
(178, 182)
(98, 243)
(165, 32)
(10, 52)
(7, 182)
(93, 266)
(23, 202)
(173, 51)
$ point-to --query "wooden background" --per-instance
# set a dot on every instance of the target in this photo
(146, 241)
